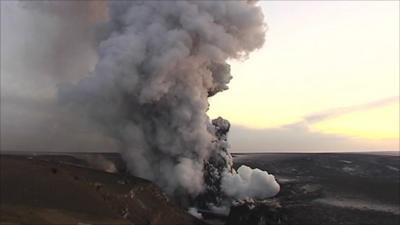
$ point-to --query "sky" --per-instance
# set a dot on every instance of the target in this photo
(327, 79)
(335, 59)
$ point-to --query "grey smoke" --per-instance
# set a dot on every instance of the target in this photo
(43, 45)
(98, 162)
(54, 40)
(141, 82)
(158, 64)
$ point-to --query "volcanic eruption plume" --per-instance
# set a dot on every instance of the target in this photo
(158, 62)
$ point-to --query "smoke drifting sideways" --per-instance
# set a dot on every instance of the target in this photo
(157, 64)
(45, 44)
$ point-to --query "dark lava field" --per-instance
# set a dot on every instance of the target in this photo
(328, 188)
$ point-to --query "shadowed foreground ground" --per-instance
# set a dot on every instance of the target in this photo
(34, 191)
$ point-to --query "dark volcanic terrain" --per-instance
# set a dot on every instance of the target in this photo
(47, 189)
(327, 189)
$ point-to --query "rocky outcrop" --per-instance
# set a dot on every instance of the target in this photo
(256, 213)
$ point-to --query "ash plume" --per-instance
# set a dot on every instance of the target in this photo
(63, 37)
(45, 44)
(158, 62)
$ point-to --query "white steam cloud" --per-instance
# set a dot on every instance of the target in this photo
(249, 183)
(194, 212)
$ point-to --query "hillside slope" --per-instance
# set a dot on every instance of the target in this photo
(40, 192)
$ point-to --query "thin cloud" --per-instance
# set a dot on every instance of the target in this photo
(317, 117)
(301, 139)
(308, 120)
(298, 137)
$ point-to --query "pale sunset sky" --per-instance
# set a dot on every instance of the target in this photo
(326, 79)
(335, 60)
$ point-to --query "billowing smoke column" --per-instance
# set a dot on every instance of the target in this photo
(159, 61)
